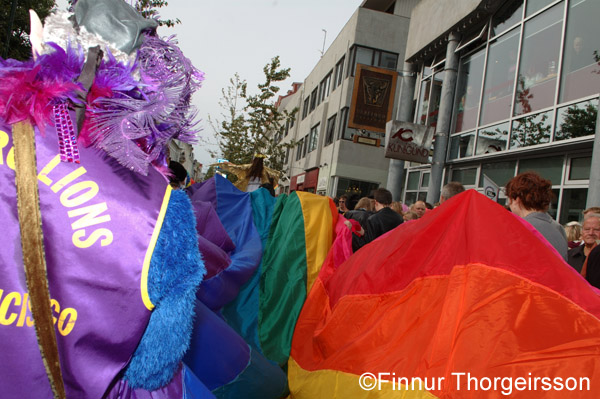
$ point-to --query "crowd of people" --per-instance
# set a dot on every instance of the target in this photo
(528, 197)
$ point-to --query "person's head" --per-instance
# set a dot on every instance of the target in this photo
(528, 192)
(269, 188)
(419, 208)
(178, 176)
(573, 231)
(450, 190)
(593, 209)
(256, 168)
(364, 203)
(410, 215)
(397, 206)
(590, 231)
(342, 203)
(383, 198)
(578, 44)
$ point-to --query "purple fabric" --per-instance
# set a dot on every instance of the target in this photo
(173, 390)
(100, 279)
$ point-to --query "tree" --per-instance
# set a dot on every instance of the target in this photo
(578, 122)
(251, 122)
(149, 9)
(14, 26)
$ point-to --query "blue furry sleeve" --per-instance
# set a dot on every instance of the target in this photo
(176, 270)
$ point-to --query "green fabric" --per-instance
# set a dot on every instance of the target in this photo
(283, 280)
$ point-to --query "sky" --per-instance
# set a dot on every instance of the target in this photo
(225, 37)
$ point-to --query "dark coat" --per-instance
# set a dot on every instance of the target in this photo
(576, 257)
(380, 223)
(593, 267)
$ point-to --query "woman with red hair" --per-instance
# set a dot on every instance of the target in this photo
(529, 196)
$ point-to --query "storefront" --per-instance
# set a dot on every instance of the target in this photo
(524, 97)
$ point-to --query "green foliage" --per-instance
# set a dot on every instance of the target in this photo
(578, 122)
(251, 122)
(19, 47)
(149, 9)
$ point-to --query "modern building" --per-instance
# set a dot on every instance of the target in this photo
(510, 86)
(330, 158)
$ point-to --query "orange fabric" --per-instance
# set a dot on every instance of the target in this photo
(478, 319)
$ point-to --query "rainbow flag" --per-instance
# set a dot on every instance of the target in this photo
(463, 303)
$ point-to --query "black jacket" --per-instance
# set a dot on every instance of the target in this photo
(380, 223)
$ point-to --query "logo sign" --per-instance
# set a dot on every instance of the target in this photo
(408, 141)
(490, 189)
(372, 98)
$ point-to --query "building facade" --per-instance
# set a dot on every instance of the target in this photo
(509, 86)
(328, 157)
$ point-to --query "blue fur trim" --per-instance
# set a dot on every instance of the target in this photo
(176, 270)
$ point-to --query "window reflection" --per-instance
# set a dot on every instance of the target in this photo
(470, 77)
(534, 6)
(492, 139)
(539, 61)
(581, 72)
(507, 17)
(461, 146)
(436, 95)
(499, 172)
(424, 101)
(576, 120)
(549, 168)
(500, 78)
(531, 130)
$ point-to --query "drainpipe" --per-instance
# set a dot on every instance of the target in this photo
(593, 197)
(442, 131)
(395, 181)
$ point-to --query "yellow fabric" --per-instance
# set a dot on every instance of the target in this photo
(332, 384)
(318, 233)
(241, 172)
(151, 246)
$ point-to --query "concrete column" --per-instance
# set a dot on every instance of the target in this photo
(395, 181)
(442, 131)
(593, 197)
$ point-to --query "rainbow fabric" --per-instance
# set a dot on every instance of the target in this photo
(465, 289)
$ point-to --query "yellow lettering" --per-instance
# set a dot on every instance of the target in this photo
(66, 198)
(23, 310)
(59, 185)
(3, 144)
(90, 216)
(10, 297)
(96, 234)
(54, 303)
(43, 176)
(10, 158)
(29, 320)
(72, 315)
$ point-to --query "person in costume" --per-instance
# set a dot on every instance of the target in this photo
(100, 100)
(251, 176)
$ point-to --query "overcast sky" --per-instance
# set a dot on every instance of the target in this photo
(225, 37)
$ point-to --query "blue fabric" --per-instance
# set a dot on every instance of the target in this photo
(217, 353)
(260, 380)
(235, 212)
(193, 388)
(242, 313)
(176, 270)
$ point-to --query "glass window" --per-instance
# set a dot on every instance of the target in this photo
(531, 130)
(499, 172)
(423, 101)
(534, 6)
(461, 146)
(313, 138)
(552, 209)
(548, 168)
(576, 120)
(465, 176)
(305, 107)
(468, 90)
(313, 99)
(507, 17)
(426, 69)
(364, 56)
(436, 95)
(299, 150)
(538, 69)
(492, 139)
(500, 78)
(580, 75)
(388, 60)
(425, 180)
(330, 130)
(573, 202)
(343, 122)
(305, 146)
(339, 72)
(580, 168)
(410, 198)
(413, 180)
